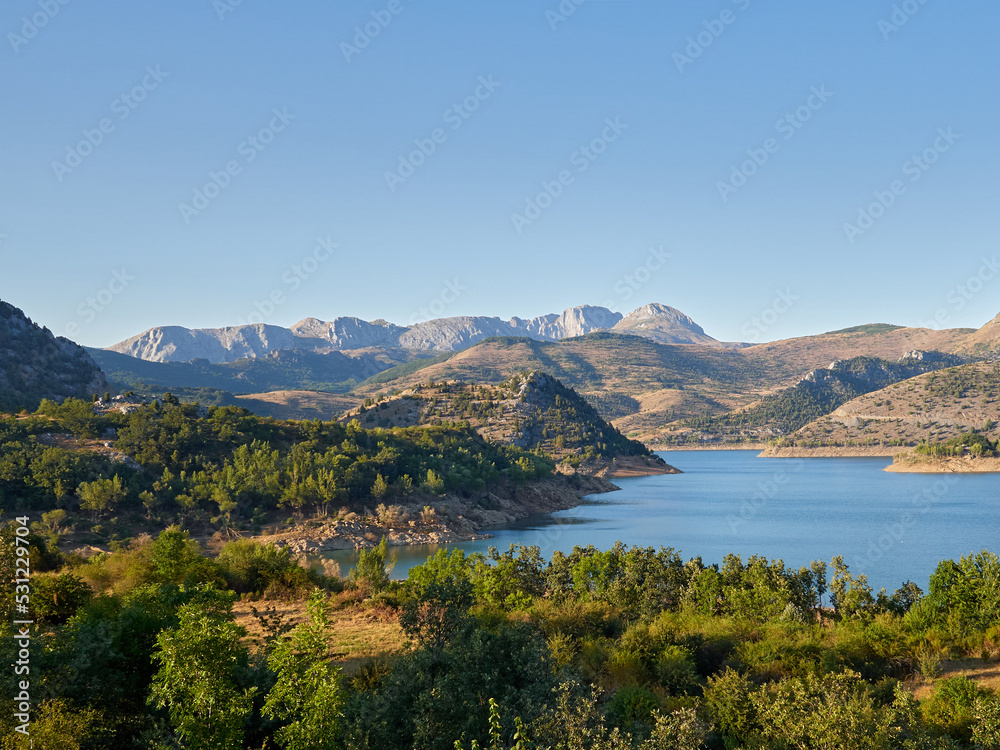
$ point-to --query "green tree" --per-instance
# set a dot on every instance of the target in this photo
(380, 487)
(307, 692)
(197, 682)
(101, 495)
(372, 569)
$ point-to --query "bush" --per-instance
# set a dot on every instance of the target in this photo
(632, 709)
(950, 708)
(250, 567)
(372, 570)
(675, 668)
(57, 598)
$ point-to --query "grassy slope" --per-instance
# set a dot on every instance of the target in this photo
(933, 407)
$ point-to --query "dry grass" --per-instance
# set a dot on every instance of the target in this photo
(986, 674)
(298, 404)
(358, 631)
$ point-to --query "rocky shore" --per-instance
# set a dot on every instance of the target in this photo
(455, 519)
(953, 465)
(874, 451)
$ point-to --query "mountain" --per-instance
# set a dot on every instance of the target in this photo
(222, 345)
(664, 325)
(985, 341)
(215, 345)
(932, 407)
(34, 365)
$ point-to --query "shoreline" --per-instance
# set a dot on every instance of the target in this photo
(728, 447)
(950, 465)
(461, 518)
(835, 452)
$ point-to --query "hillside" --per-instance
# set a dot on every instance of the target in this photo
(647, 388)
(34, 365)
(985, 341)
(296, 404)
(817, 394)
(530, 410)
(334, 372)
(934, 407)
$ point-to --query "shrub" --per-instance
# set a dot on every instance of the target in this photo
(250, 567)
(57, 598)
(372, 570)
(675, 668)
(632, 709)
(950, 708)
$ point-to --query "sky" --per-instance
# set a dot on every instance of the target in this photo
(771, 169)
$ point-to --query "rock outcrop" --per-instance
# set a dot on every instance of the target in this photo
(34, 364)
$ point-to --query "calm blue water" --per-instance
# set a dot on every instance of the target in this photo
(892, 527)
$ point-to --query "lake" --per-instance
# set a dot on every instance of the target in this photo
(891, 527)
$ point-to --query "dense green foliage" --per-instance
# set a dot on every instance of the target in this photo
(224, 467)
(976, 444)
(623, 649)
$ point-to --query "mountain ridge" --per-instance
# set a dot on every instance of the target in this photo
(231, 343)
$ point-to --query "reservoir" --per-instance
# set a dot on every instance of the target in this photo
(890, 527)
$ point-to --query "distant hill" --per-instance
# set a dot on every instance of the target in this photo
(297, 404)
(985, 341)
(218, 345)
(817, 394)
(34, 365)
(933, 407)
(530, 410)
(334, 372)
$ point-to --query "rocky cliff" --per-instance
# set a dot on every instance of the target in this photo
(34, 364)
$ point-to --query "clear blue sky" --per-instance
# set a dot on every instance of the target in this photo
(684, 125)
